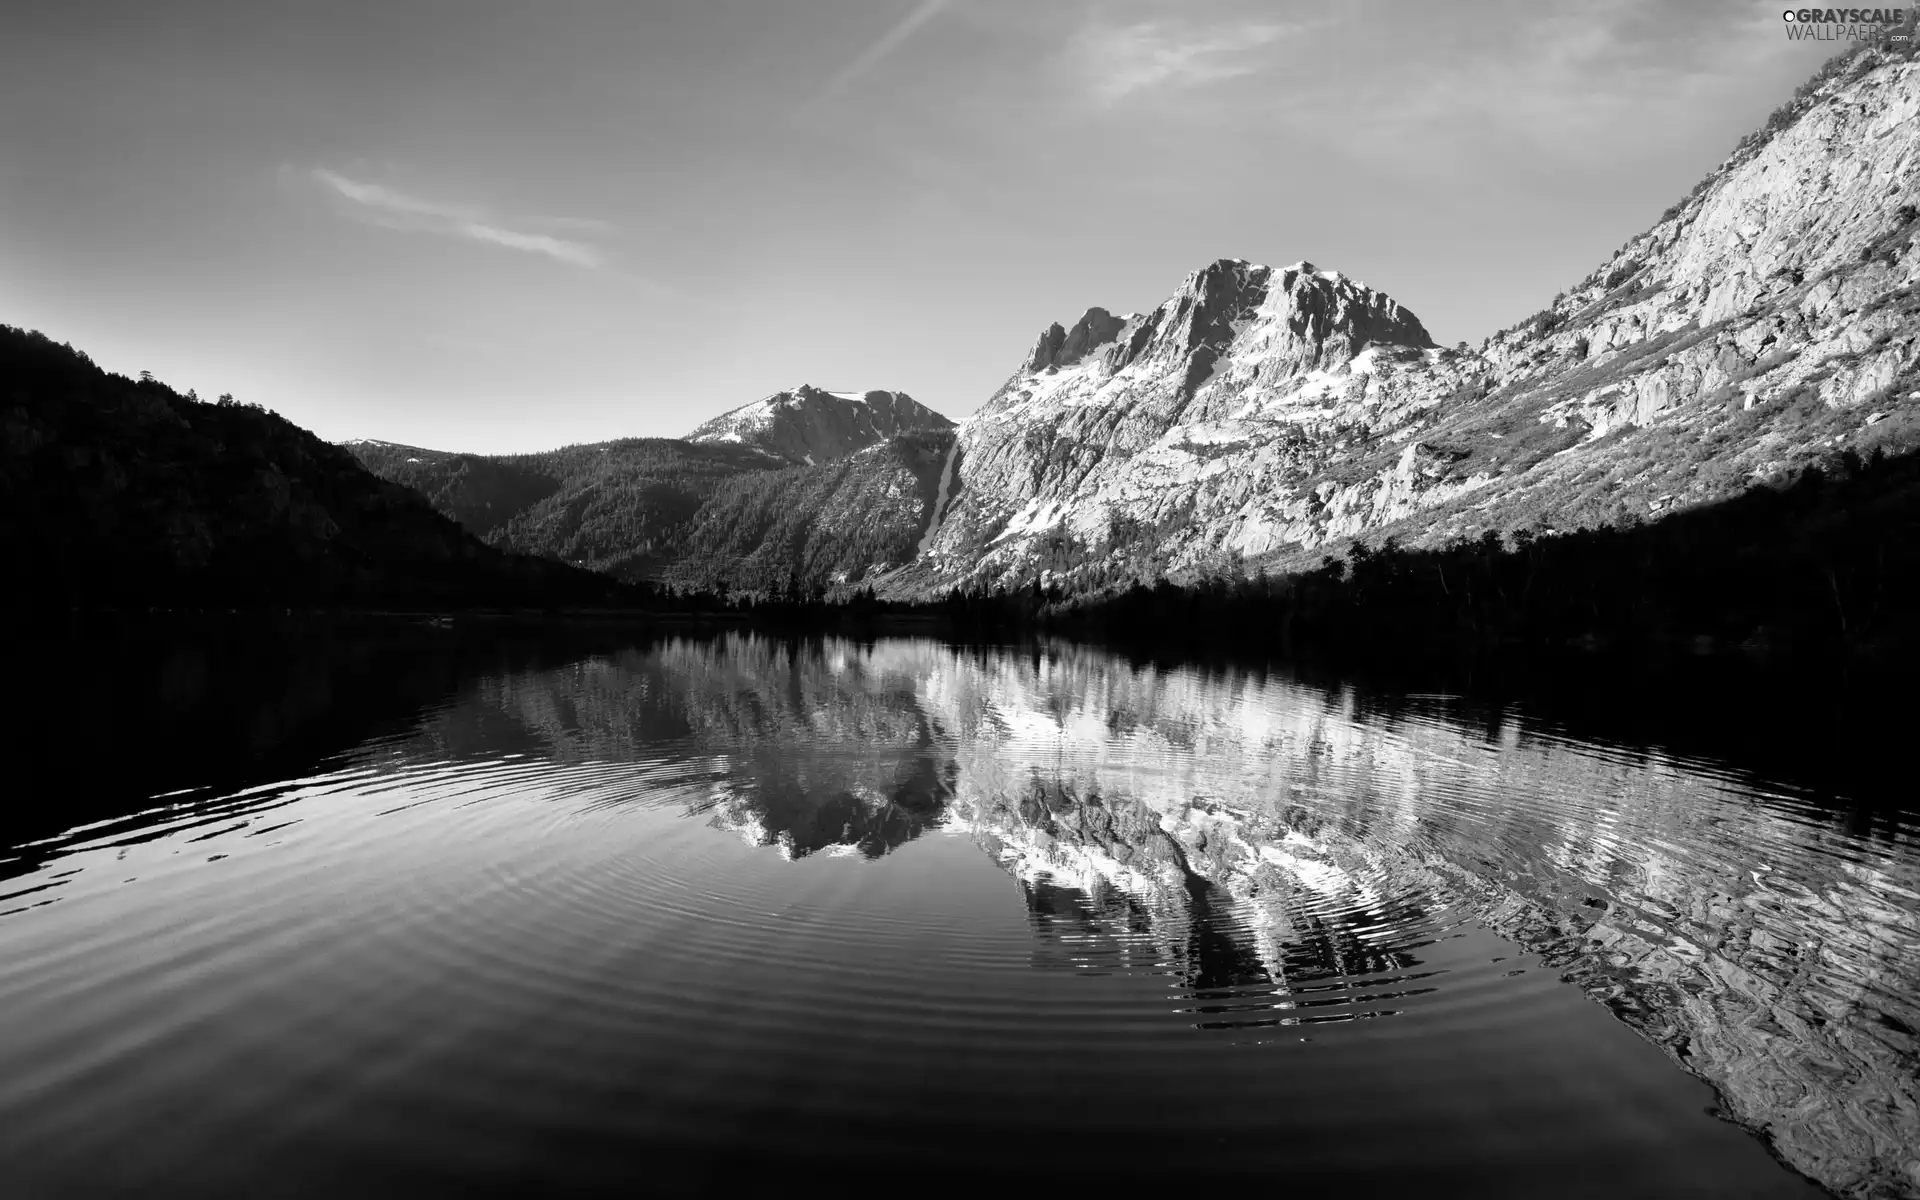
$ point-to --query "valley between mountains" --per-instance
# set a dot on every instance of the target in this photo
(1264, 416)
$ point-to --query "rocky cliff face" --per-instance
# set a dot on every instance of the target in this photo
(809, 425)
(1259, 414)
(1116, 426)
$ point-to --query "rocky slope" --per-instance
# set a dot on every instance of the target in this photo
(125, 494)
(808, 425)
(1766, 321)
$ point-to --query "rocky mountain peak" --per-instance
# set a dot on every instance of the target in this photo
(1341, 316)
(1059, 347)
(810, 424)
(1204, 312)
(1290, 319)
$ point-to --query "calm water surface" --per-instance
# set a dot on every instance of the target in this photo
(709, 914)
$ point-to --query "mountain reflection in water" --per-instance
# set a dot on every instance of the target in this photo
(491, 939)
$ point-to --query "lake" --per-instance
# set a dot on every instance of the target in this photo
(445, 912)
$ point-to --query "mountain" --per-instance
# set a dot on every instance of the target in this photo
(801, 490)
(808, 425)
(1123, 427)
(479, 492)
(707, 513)
(614, 507)
(812, 527)
(1263, 416)
(124, 493)
(1764, 323)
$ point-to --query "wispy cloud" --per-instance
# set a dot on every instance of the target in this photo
(1113, 63)
(895, 36)
(392, 209)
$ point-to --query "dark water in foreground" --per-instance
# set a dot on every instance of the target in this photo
(718, 914)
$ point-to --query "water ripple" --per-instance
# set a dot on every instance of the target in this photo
(661, 893)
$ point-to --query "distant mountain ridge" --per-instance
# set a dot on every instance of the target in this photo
(480, 492)
(800, 491)
(810, 425)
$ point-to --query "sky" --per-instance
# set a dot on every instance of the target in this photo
(510, 226)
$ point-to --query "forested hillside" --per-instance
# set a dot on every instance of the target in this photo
(710, 514)
(481, 493)
(123, 493)
(805, 529)
(620, 507)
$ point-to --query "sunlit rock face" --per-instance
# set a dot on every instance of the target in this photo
(811, 425)
(1122, 426)
(1286, 855)
(1262, 413)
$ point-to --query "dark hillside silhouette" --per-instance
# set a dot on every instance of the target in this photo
(479, 492)
(124, 493)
